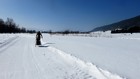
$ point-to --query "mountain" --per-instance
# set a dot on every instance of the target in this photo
(124, 24)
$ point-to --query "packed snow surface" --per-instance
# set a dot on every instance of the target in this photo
(93, 56)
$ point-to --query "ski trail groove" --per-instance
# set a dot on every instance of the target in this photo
(31, 67)
(37, 64)
(92, 71)
(8, 43)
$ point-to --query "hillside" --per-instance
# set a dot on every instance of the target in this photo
(124, 24)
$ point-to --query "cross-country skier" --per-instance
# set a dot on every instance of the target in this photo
(38, 37)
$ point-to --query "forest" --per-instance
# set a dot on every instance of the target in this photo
(9, 26)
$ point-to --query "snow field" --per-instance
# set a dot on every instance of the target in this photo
(69, 57)
(117, 54)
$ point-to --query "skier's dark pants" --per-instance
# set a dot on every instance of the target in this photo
(38, 42)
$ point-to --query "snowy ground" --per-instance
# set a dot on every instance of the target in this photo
(102, 56)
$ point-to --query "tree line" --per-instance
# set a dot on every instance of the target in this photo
(65, 32)
(9, 26)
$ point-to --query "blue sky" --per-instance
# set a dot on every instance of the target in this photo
(57, 15)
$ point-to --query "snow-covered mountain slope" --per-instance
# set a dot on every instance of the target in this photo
(68, 57)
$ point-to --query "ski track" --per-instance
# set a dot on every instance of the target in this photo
(2, 44)
(87, 69)
(32, 62)
(7, 43)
